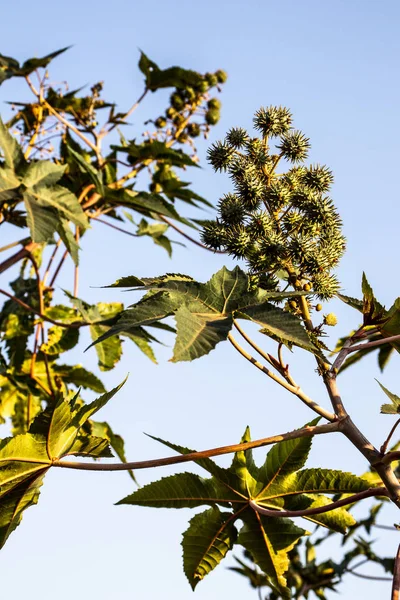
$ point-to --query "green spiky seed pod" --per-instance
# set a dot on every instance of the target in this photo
(176, 101)
(221, 76)
(231, 210)
(213, 235)
(160, 122)
(193, 129)
(256, 152)
(237, 137)
(155, 188)
(277, 195)
(220, 156)
(259, 225)
(170, 112)
(214, 103)
(211, 79)
(294, 146)
(212, 116)
(273, 121)
(325, 285)
(318, 178)
(238, 241)
(330, 320)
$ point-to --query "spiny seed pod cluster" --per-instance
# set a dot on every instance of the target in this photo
(189, 102)
(283, 224)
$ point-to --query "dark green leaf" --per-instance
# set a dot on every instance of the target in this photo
(210, 536)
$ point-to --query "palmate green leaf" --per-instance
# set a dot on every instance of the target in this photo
(79, 377)
(103, 430)
(68, 239)
(327, 481)
(283, 459)
(67, 419)
(373, 311)
(184, 490)
(204, 313)
(269, 540)
(394, 407)
(61, 200)
(197, 334)
(391, 326)
(210, 536)
(42, 173)
(338, 519)
(10, 149)
(38, 63)
(245, 469)
(280, 323)
(60, 339)
(15, 501)
(95, 176)
(108, 351)
(90, 446)
(277, 485)
(145, 203)
(9, 67)
(23, 464)
(157, 150)
(42, 221)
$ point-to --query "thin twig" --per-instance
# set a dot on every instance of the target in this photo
(60, 117)
(193, 456)
(269, 512)
(60, 264)
(23, 253)
(51, 259)
(259, 350)
(396, 577)
(386, 443)
(76, 270)
(129, 112)
(188, 237)
(37, 312)
(386, 340)
(297, 391)
(113, 226)
(371, 577)
(17, 243)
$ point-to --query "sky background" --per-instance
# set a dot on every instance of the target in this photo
(335, 64)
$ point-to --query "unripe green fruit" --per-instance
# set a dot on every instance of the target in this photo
(176, 101)
(318, 307)
(190, 93)
(330, 320)
(214, 103)
(211, 79)
(161, 122)
(155, 188)
(183, 137)
(221, 76)
(170, 112)
(178, 120)
(193, 129)
(202, 87)
(212, 116)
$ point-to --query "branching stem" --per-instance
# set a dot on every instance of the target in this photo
(193, 456)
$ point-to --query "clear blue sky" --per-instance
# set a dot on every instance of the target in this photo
(335, 64)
